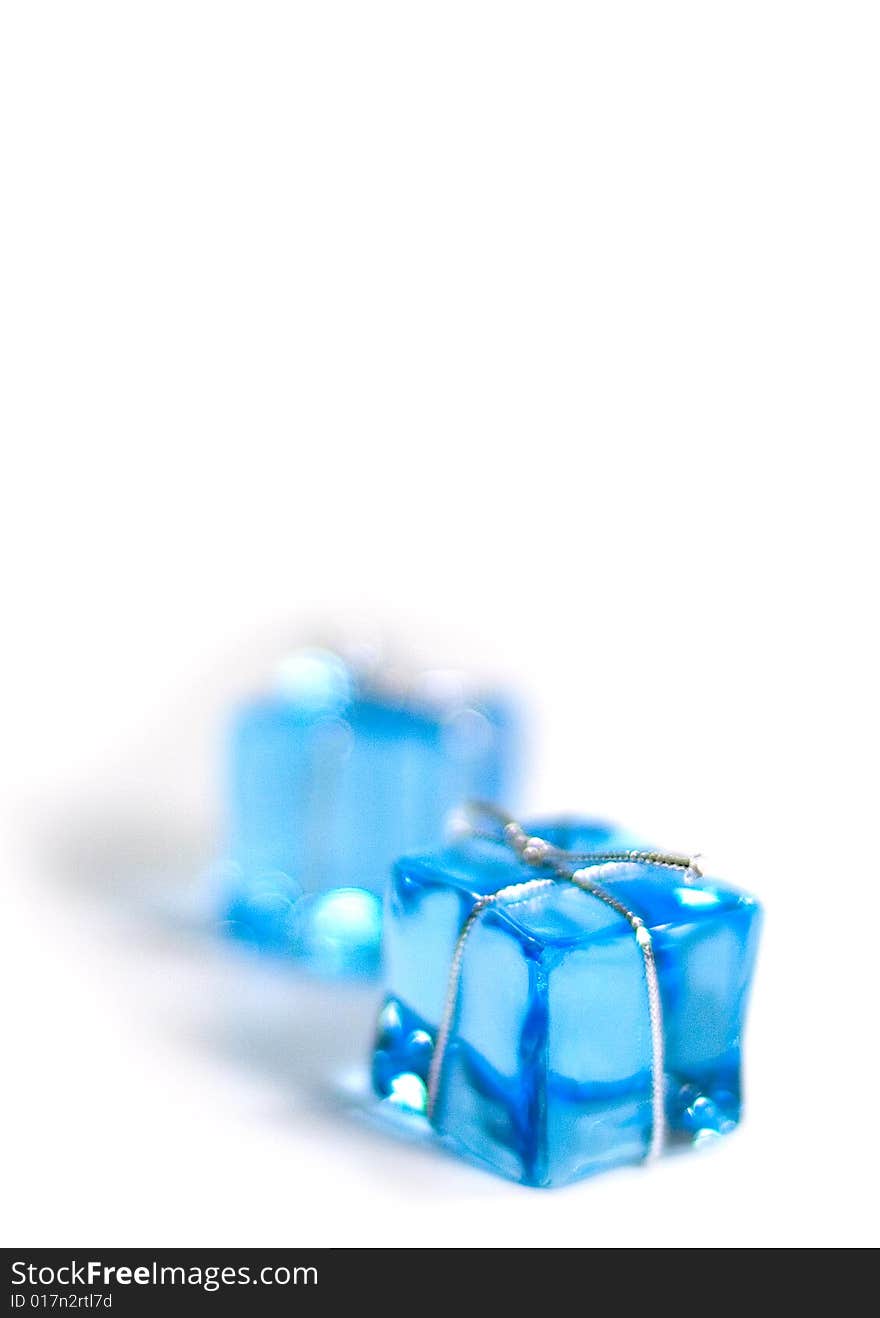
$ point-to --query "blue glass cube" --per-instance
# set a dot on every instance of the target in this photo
(548, 1068)
(332, 778)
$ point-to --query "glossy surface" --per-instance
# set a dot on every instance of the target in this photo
(547, 1075)
(328, 785)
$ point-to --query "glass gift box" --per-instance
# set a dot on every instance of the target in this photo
(548, 1032)
(332, 776)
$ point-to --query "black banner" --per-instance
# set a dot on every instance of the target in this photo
(216, 1281)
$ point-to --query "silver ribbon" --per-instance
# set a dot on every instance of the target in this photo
(572, 867)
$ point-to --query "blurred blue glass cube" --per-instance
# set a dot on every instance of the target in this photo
(332, 778)
(547, 1071)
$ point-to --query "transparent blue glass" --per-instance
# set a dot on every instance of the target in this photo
(547, 1071)
(330, 779)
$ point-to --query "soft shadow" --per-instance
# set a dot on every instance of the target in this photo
(307, 1040)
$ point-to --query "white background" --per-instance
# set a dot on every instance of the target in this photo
(545, 335)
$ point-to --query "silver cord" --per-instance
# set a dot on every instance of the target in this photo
(573, 867)
(522, 892)
(582, 878)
